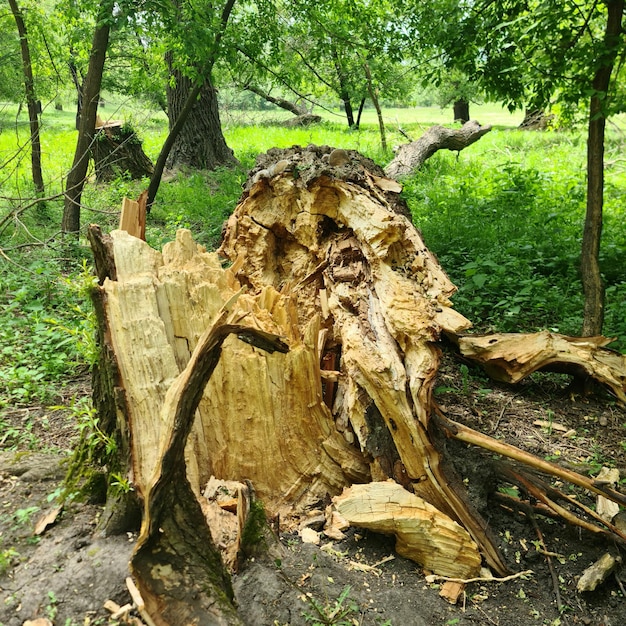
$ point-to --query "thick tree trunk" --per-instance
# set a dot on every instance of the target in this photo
(461, 111)
(91, 95)
(410, 157)
(31, 99)
(593, 312)
(200, 143)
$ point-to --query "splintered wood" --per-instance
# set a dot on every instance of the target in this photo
(302, 366)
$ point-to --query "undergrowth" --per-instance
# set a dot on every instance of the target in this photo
(504, 217)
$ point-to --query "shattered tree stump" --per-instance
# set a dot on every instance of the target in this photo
(321, 255)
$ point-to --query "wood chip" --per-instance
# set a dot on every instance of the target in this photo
(308, 535)
(47, 519)
(550, 425)
(606, 508)
(597, 573)
(452, 591)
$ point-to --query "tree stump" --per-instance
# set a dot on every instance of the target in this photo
(303, 366)
(117, 150)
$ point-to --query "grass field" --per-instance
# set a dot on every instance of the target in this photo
(504, 216)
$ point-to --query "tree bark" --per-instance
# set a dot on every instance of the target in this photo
(461, 111)
(200, 142)
(593, 311)
(91, 95)
(344, 91)
(31, 99)
(116, 149)
(410, 157)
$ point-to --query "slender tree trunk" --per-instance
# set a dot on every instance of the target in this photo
(79, 91)
(374, 96)
(91, 95)
(593, 313)
(360, 112)
(344, 91)
(33, 107)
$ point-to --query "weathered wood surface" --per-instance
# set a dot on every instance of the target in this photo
(422, 533)
(117, 150)
(322, 255)
(176, 564)
(257, 406)
(411, 156)
(335, 233)
(510, 357)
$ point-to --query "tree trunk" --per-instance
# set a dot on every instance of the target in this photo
(374, 96)
(593, 312)
(360, 112)
(78, 85)
(200, 143)
(91, 95)
(461, 111)
(31, 99)
(344, 91)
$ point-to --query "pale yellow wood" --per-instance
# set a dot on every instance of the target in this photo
(130, 218)
(513, 356)
(256, 407)
(423, 534)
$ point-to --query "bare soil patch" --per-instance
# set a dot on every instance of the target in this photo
(68, 573)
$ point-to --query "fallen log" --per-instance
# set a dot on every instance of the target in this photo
(321, 254)
(411, 156)
(510, 357)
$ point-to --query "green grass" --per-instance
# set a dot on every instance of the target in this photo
(504, 216)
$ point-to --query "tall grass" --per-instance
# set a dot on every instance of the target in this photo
(504, 216)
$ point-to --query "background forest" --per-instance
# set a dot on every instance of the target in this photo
(206, 87)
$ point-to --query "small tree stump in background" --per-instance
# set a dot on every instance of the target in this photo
(116, 150)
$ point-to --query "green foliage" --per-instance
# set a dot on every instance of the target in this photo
(507, 230)
(94, 450)
(8, 556)
(338, 612)
(36, 351)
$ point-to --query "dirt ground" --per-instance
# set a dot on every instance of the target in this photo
(68, 572)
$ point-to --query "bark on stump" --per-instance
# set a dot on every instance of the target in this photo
(117, 150)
